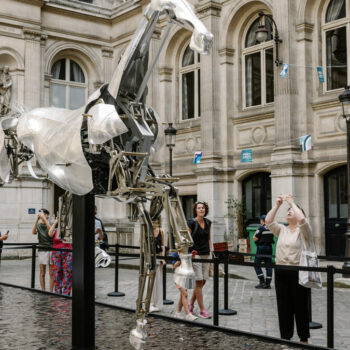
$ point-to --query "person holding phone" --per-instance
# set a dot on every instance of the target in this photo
(41, 228)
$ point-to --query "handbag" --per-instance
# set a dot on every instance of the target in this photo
(308, 258)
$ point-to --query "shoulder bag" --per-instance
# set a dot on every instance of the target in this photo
(308, 257)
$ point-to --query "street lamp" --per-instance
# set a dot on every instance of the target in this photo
(344, 99)
(170, 138)
(261, 34)
(170, 135)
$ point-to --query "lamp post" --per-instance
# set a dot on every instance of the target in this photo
(170, 136)
(344, 98)
(262, 33)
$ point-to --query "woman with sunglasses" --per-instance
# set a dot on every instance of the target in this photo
(199, 228)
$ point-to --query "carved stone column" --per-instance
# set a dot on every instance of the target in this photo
(32, 74)
(107, 58)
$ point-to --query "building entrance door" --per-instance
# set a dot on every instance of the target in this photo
(336, 210)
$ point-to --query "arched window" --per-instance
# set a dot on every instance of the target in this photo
(258, 74)
(190, 85)
(68, 84)
(336, 31)
(256, 196)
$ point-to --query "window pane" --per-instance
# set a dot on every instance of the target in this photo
(343, 196)
(248, 199)
(58, 70)
(269, 75)
(332, 196)
(58, 96)
(188, 57)
(336, 58)
(76, 73)
(257, 202)
(199, 92)
(76, 97)
(251, 36)
(188, 95)
(335, 10)
(253, 79)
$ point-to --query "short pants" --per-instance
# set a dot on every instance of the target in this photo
(201, 270)
(44, 258)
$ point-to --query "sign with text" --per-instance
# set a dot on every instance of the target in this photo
(246, 156)
(31, 210)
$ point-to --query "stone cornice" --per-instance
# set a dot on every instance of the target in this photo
(34, 2)
(325, 105)
(226, 55)
(32, 34)
(210, 8)
(304, 31)
(107, 52)
(165, 74)
(252, 118)
(188, 130)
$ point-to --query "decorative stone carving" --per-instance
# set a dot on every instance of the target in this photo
(340, 123)
(33, 35)
(107, 52)
(190, 144)
(5, 90)
(258, 135)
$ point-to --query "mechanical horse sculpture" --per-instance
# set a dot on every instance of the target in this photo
(104, 148)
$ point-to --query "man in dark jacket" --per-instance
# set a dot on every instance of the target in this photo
(263, 238)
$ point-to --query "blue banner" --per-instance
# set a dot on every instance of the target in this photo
(197, 157)
(246, 156)
(320, 74)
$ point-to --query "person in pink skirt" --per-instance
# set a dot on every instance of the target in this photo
(61, 263)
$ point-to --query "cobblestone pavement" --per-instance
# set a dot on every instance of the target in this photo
(256, 309)
(45, 323)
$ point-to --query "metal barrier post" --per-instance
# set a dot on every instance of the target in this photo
(226, 311)
(32, 283)
(216, 292)
(165, 300)
(330, 306)
(116, 275)
(312, 325)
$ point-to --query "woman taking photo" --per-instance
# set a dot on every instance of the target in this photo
(199, 228)
(292, 298)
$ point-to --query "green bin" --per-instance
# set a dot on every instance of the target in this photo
(251, 230)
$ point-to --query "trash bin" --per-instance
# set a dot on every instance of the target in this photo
(251, 230)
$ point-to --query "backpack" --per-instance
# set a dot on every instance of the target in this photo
(196, 227)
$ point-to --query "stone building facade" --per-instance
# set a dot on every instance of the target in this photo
(235, 99)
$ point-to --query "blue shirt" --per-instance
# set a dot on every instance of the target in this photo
(175, 256)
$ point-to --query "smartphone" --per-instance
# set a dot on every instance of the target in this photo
(8, 231)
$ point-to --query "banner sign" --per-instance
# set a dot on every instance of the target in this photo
(246, 156)
(197, 157)
(305, 143)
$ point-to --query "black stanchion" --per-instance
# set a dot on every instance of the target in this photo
(116, 275)
(165, 300)
(216, 292)
(330, 306)
(32, 283)
(226, 311)
(312, 325)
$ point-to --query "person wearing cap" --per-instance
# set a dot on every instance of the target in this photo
(263, 238)
(45, 241)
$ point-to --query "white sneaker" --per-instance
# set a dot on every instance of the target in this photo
(153, 308)
(191, 317)
(178, 315)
